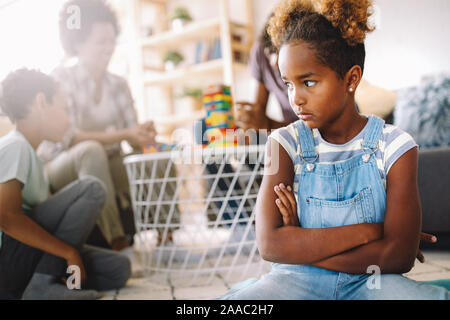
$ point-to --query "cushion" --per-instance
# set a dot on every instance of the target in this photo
(424, 111)
(374, 100)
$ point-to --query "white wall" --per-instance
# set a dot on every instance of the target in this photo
(412, 39)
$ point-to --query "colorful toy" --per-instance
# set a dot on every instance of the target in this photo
(219, 117)
(153, 148)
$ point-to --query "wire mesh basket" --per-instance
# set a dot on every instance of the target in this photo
(194, 214)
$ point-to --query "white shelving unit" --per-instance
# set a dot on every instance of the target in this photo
(221, 70)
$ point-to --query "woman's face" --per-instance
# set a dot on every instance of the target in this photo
(316, 93)
(96, 51)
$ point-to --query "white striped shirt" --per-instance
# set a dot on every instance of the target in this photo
(393, 143)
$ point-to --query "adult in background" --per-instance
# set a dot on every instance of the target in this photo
(42, 234)
(101, 112)
(264, 70)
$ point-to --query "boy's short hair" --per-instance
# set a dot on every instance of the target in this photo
(91, 12)
(20, 88)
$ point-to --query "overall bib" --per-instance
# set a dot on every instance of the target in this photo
(331, 195)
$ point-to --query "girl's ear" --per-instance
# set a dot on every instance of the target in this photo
(353, 78)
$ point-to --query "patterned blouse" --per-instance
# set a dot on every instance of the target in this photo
(115, 110)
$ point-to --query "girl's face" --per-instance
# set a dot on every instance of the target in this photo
(96, 51)
(316, 93)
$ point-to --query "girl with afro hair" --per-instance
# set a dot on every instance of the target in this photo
(338, 213)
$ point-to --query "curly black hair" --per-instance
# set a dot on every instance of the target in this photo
(20, 88)
(91, 12)
(336, 31)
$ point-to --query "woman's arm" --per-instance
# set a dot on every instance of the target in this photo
(292, 244)
(104, 138)
(19, 226)
(396, 251)
(138, 136)
(253, 115)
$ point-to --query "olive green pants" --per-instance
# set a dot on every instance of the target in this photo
(89, 158)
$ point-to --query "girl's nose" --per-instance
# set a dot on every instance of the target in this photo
(298, 99)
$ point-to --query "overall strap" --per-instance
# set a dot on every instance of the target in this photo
(373, 133)
(306, 140)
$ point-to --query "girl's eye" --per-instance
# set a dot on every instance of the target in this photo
(310, 83)
(288, 84)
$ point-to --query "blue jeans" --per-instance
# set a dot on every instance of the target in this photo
(287, 285)
(70, 216)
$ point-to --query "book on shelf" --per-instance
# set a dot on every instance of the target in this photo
(208, 50)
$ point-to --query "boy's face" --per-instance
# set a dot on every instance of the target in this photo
(316, 93)
(55, 120)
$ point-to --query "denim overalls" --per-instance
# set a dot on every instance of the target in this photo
(329, 195)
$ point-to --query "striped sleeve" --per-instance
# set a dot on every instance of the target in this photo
(398, 142)
(287, 138)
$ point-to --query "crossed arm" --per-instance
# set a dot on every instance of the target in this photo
(392, 245)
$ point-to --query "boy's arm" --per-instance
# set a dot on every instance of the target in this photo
(396, 251)
(19, 226)
(292, 244)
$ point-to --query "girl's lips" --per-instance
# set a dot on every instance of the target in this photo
(305, 116)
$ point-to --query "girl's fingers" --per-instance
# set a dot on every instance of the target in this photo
(290, 196)
(427, 237)
(282, 197)
(420, 256)
(283, 210)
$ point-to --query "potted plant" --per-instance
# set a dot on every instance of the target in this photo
(191, 100)
(180, 18)
(172, 59)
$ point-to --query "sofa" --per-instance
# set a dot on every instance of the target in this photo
(434, 188)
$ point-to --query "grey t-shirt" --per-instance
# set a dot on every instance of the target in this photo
(18, 161)
(262, 70)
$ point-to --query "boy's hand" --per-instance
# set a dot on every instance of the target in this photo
(74, 259)
(287, 205)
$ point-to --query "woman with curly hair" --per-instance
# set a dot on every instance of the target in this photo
(339, 199)
(101, 112)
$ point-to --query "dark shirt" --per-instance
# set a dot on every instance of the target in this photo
(262, 70)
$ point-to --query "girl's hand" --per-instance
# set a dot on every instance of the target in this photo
(287, 205)
(428, 238)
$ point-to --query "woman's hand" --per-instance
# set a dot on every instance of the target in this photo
(287, 205)
(249, 117)
(148, 126)
(141, 135)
